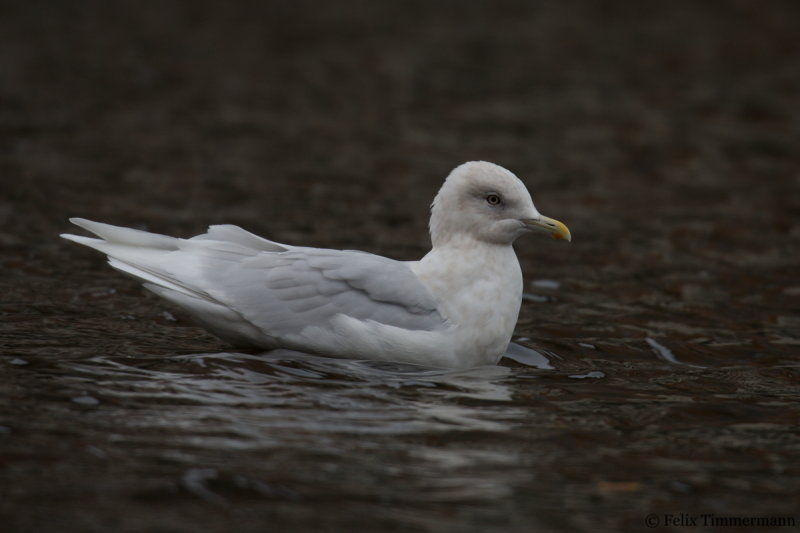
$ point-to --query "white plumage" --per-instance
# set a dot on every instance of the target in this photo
(456, 307)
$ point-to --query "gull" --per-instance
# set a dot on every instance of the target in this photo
(454, 308)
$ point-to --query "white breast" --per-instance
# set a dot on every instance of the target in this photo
(480, 290)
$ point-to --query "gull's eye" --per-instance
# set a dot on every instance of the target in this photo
(493, 199)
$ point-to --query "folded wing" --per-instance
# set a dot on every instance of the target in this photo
(252, 291)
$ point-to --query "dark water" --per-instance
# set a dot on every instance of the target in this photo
(658, 373)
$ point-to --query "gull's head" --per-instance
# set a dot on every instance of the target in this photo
(486, 202)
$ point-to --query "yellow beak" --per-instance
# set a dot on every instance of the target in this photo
(552, 226)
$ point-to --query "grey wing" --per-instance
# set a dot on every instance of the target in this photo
(283, 293)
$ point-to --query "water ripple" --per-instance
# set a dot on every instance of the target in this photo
(240, 401)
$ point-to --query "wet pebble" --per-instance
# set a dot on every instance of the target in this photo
(680, 487)
(85, 400)
(97, 452)
(550, 284)
(594, 374)
(18, 362)
(538, 298)
(195, 481)
(665, 353)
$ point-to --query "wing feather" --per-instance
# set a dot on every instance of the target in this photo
(283, 293)
(246, 288)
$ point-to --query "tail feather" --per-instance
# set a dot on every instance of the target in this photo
(176, 269)
(148, 257)
(150, 278)
(127, 236)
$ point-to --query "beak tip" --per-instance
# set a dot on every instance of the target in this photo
(562, 232)
(557, 229)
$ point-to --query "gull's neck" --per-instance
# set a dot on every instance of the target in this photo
(461, 259)
(462, 266)
(464, 242)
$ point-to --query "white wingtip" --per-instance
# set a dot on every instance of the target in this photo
(87, 241)
(125, 236)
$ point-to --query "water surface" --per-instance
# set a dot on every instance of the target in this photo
(664, 376)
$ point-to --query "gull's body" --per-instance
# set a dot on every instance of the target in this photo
(456, 307)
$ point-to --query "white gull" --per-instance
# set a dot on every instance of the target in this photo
(456, 307)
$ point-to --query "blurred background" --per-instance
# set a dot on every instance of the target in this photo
(664, 134)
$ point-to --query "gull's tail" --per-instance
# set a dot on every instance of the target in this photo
(143, 255)
(176, 269)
